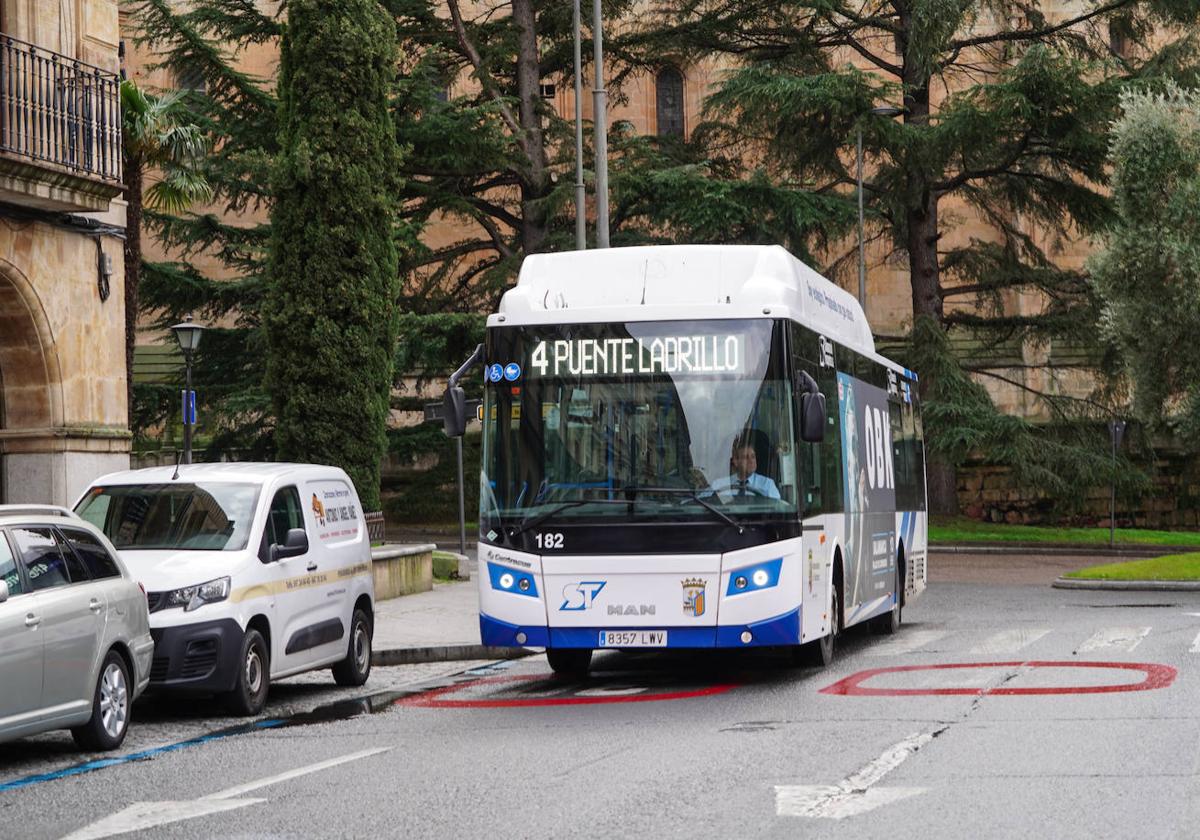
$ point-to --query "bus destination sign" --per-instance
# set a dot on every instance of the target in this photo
(631, 356)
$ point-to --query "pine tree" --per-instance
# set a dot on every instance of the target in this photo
(330, 307)
(237, 114)
(1005, 112)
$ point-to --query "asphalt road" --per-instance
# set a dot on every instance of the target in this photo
(738, 747)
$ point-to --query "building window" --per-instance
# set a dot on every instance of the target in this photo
(548, 90)
(190, 78)
(668, 90)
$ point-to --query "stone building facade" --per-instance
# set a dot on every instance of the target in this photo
(63, 411)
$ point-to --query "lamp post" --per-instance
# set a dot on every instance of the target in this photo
(881, 111)
(600, 123)
(1116, 431)
(580, 195)
(188, 336)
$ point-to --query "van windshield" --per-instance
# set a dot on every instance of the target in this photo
(208, 516)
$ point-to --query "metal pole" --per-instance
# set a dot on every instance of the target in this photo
(580, 190)
(187, 398)
(462, 507)
(862, 254)
(600, 121)
(1112, 499)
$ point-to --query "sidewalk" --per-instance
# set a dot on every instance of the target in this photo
(441, 625)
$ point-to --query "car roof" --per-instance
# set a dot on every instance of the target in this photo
(260, 472)
(38, 513)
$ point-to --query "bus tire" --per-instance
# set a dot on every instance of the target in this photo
(819, 653)
(569, 662)
(888, 624)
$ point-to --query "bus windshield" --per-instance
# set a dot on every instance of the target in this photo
(667, 420)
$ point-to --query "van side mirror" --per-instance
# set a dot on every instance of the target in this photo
(3, 590)
(294, 545)
(454, 412)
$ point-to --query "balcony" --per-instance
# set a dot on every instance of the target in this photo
(60, 130)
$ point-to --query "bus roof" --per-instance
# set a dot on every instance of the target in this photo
(682, 282)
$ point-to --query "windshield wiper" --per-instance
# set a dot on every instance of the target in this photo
(693, 496)
(532, 522)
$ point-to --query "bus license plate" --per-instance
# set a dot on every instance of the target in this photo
(633, 638)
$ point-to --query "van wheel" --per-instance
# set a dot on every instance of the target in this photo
(569, 662)
(356, 667)
(106, 728)
(249, 694)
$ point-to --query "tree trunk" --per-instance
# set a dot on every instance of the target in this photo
(133, 269)
(921, 228)
(535, 181)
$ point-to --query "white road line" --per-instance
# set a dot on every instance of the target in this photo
(854, 794)
(1195, 648)
(1114, 638)
(1009, 641)
(230, 793)
(141, 816)
(906, 642)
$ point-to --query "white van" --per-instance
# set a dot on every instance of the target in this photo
(253, 572)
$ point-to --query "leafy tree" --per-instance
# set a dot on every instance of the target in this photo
(330, 308)
(157, 136)
(1005, 113)
(1149, 276)
(237, 114)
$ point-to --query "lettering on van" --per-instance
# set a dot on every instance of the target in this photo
(334, 510)
(627, 356)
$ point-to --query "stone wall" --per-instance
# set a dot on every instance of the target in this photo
(988, 493)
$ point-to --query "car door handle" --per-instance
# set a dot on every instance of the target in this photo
(32, 620)
(312, 567)
(95, 606)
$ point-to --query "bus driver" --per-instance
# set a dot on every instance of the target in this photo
(743, 480)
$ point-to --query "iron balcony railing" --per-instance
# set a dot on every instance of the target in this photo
(59, 110)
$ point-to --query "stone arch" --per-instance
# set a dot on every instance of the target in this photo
(31, 401)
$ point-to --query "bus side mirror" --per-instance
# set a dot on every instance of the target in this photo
(812, 417)
(454, 416)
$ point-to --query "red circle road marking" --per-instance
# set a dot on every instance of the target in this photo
(1157, 676)
(436, 699)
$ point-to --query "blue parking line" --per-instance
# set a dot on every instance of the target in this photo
(102, 763)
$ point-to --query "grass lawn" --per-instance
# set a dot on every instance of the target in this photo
(963, 530)
(1167, 567)
(445, 565)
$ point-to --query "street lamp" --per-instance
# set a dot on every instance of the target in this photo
(188, 336)
(880, 111)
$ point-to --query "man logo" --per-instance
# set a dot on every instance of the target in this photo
(580, 596)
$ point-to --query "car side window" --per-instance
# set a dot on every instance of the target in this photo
(99, 563)
(48, 561)
(285, 514)
(9, 572)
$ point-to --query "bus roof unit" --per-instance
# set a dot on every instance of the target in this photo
(677, 282)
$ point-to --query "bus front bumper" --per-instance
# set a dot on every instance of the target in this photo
(780, 630)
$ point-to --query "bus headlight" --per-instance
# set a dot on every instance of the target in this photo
(752, 578)
(512, 581)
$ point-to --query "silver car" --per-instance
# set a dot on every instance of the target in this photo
(75, 645)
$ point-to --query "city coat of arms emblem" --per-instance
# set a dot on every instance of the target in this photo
(693, 596)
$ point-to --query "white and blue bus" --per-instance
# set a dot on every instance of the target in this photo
(692, 447)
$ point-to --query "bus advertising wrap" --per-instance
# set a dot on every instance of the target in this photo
(870, 489)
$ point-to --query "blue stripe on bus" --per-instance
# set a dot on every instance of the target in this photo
(779, 630)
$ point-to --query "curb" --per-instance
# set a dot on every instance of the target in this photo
(1026, 549)
(445, 653)
(1129, 585)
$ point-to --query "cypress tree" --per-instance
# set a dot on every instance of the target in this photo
(330, 312)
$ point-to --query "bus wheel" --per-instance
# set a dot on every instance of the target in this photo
(569, 662)
(889, 623)
(819, 653)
